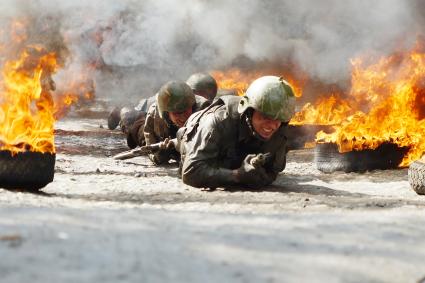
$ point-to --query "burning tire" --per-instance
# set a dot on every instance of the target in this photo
(328, 159)
(26, 170)
(416, 176)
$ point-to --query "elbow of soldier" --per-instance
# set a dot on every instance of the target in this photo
(191, 178)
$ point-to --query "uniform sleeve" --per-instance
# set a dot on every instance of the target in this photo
(149, 132)
(199, 165)
(161, 156)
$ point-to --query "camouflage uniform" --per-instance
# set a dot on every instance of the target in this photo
(157, 129)
(216, 141)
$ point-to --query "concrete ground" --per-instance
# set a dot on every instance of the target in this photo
(103, 220)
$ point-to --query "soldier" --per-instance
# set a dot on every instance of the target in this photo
(132, 120)
(175, 102)
(218, 145)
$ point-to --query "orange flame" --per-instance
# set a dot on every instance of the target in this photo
(75, 92)
(240, 81)
(394, 91)
(233, 79)
(70, 99)
(326, 111)
(26, 107)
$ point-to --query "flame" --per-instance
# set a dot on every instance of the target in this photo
(26, 106)
(330, 110)
(70, 99)
(240, 81)
(393, 90)
(79, 90)
(233, 79)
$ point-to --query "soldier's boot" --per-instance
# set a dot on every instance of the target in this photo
(114, 118)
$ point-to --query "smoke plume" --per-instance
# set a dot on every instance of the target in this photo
(133, 47)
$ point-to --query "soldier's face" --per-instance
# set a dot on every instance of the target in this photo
(264, 126)
(179, 118)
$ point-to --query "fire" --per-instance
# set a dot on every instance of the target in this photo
(78, 91)
(393, 92)
(329, 109)
(70, 99)
(234, 79)
(240, 81)
(26, 105)
(326, 111)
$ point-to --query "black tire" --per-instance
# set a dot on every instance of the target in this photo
(27, 170)
(416, 177)
(386, 156)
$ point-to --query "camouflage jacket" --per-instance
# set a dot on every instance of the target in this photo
(157, 129)
(215, 141)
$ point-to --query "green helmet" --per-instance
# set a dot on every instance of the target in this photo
(270, 95)
(174, 97)
(203, 84)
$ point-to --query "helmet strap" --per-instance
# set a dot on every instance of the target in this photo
(248, 118)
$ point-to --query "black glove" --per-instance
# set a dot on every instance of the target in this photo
(251, 176)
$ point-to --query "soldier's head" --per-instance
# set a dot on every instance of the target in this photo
(203, 84)
(175, 101)
(270, 102)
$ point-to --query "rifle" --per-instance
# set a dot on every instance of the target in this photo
(260, 159)
(146, 149)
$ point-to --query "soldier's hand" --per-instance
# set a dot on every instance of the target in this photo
(250, 175)
(166, 144)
